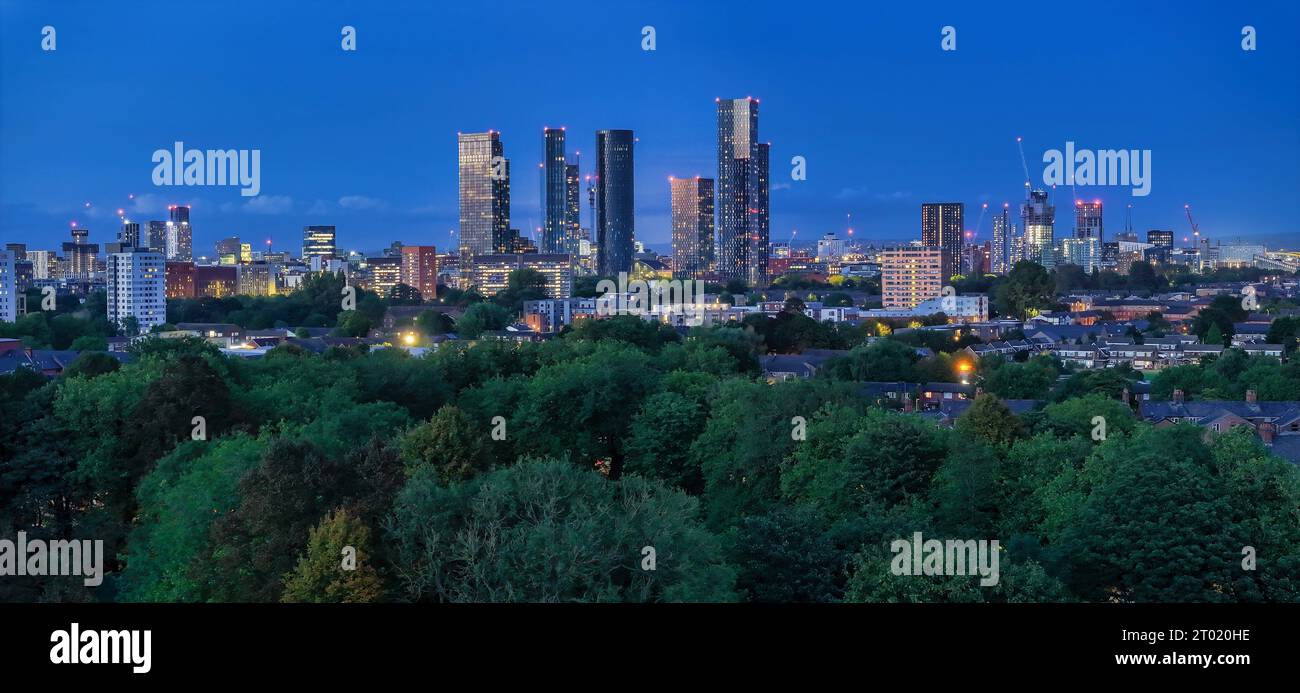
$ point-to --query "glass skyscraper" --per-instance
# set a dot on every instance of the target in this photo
(555, 190)
(615, 202)
(742, 193)
(1038, 218)
(1000, 262)
(484, 194)
(692, 222)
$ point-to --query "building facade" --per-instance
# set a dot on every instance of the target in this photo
(909, 276)
(941, 227)
(615, 201)
(484, 194)
(692, 226)
(137, 288)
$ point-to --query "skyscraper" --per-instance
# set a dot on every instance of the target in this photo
(180, 239)
(1038, 218)
(484, 194)
(742, 193)
(615, 202)
(1000, 259)
(137, 288)
(318, 241)
(555, 187)
(156, 236)
(692, 222)
(80, 255)
(572, 208)
(941, 227)
(1087, 220)
(130, 234)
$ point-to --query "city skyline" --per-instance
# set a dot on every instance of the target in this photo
(378, 167)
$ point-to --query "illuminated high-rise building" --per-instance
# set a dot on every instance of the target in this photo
(1038, 219)
(909, 276)
(137, 288)
(941, 227)
(180, 238)
(129, 235)
(318, 241)
(484, 194)
(79, 256)
(555, 189)
(692, 225)
(742, 193)
(1087, 220)
(420, 269)
(572, 208)
(615, 201)
(1000, 255)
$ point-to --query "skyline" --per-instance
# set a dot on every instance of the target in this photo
(365, 141)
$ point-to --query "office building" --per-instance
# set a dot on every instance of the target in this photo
(156, 236)
(615, 202)
(129, 234)
(180, 279)
(692, 225)
(318, 241)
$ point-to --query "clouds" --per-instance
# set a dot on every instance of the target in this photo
(269, 204)
(361, 202)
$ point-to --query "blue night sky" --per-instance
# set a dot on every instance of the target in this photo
(886, 120)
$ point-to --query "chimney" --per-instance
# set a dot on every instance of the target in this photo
(1266, 432)
(1178, 396)
(1250, 396)
(1125, 395)
(907, 402)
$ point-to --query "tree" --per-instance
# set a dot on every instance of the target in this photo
(1028, 289)
(989, 419)
(546, 531)
(322, 574)
(91, 364)
(353, 323)
(404, 295)
(785, 556)
(480, 318)
(1214, 335)
(447, 447)
(659, 441)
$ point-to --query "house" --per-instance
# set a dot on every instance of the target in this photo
(789, 366)
(47, 362)
(1277, 424)
(1261, 349)
(947, 412)
(1243, 332)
